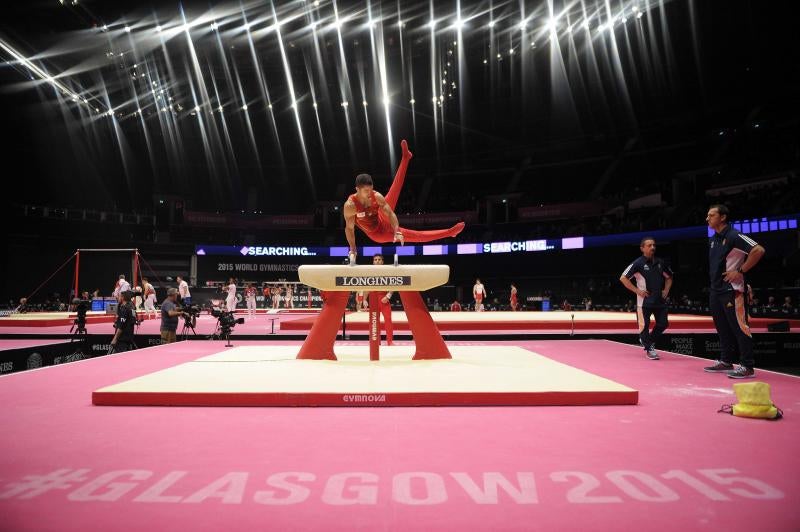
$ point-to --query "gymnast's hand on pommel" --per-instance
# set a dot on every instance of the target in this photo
(349, 213)
(398, 237)
(406, 152)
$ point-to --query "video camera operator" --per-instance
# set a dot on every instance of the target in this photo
(81, 307)
(169, 317)
(126, 321)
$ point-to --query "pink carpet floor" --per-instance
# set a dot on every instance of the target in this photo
(670, 463)
(259, 325)
(22, 344)
(262, 324)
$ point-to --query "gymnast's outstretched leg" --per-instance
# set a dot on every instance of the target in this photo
(411, 235)
(399, 177)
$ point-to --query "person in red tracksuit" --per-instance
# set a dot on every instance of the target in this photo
(267, 292)
(385, 305)
(374, 214)
(513, 301)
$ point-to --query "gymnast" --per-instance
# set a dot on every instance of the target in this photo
(374, 214)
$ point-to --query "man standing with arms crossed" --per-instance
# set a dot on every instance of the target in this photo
(730, 256)
(653, 283)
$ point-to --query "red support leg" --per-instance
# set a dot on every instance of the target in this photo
(135, 270)
(375, 325)
(386, 310)
(429, 342)
(319, 342)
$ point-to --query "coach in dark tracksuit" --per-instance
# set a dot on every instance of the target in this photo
(730, 256)
(653, 282)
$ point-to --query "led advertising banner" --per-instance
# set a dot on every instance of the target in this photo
(271, 251)
(409, 250)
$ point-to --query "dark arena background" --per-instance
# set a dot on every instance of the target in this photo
(530, 154)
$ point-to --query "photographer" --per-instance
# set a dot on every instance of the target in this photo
(126, 320)
(169, 317)
(81, 307)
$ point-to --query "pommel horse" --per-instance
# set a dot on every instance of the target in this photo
(337, 281)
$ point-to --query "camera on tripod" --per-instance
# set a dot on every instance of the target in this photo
(190, 314)
(226, 321)
(81, 308)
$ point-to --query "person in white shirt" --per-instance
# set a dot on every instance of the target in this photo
(183, 291)
(121, 286)
(250, 298)
(230, 301)
(478, 292)
(149, 298)
(276, 297)
(288, 299)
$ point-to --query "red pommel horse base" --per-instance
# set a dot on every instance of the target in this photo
(337, 281)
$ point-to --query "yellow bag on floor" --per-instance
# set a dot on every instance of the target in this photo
(754, 401)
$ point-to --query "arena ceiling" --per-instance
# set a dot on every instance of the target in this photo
(269, 98)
